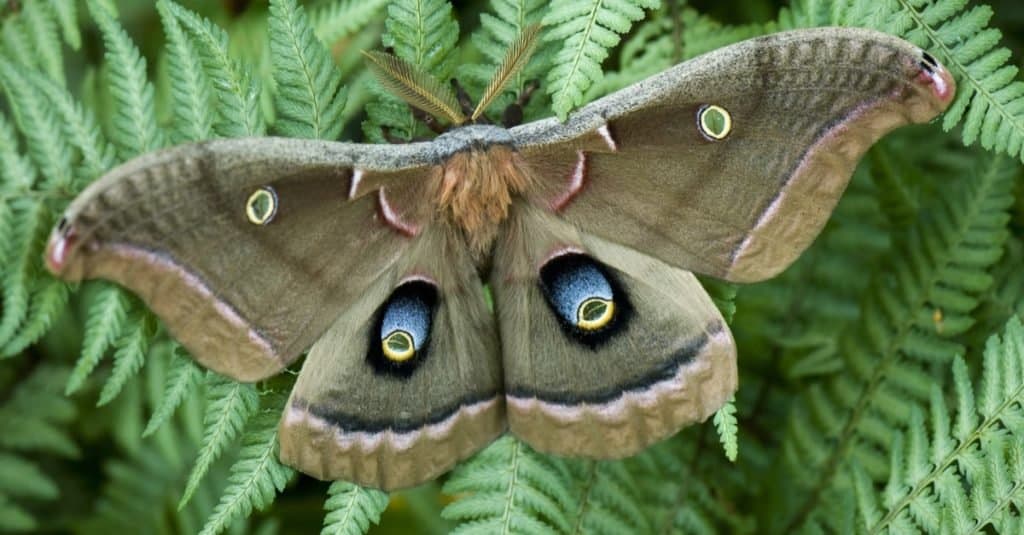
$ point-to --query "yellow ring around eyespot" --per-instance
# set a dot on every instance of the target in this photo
(706, 129)
(404, 352)
(265, 194)
(595, 313)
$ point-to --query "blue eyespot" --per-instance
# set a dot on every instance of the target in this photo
(584, 297)
(404, 327)
(401, 334)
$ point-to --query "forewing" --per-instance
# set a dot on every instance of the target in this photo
(645, 167)
(182, 229)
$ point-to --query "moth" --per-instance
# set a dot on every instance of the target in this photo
(375, 258)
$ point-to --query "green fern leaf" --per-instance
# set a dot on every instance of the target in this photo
(310, 97)
(41, 29)
(105, 322)
(66, 14)
(587, 30)
(192, 111)
(36, 121)
(21, 478)
(725, 423)
(509, 488)
(941, 265)
(129, 356)
(351, 509)
(230, 406)
(236, 91)
(35, 414)
(255, 478)
(960, 481)
(15, 519)
(181, 382)
(337, 20)
(423, 33)
(80, 128)
(16, 171)
(20, 262)
(134, 126)
(608, 499)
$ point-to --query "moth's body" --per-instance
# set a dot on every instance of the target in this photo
(478, 175)
(373, 258)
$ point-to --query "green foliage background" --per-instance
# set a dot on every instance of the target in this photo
(882, 376)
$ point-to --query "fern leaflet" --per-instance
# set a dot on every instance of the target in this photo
(230, 406)
(310, 97)
(256, 477)
(587, 30)
(351, 509)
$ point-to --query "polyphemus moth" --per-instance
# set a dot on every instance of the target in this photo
(374, 258)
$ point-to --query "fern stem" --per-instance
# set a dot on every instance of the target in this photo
(585, 497)
(846, 439)
(962, 448)
(513, 466)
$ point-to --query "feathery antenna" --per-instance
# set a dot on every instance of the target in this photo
(515, 59)
(417, 87)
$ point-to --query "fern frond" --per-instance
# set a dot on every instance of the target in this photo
(990, 97)
(310, 97)
(106, 318)
(236, 90)
(41, 29)
(969, 474)
(182, 381)
(33, 302)
(36, 121)
(33, 417)
(351, 509)
(192, 110)
(129, 356)
(588, 30)
(22, 478)
(508, 488)
(17, 174)
(81, 129)
(608, 499)
(256, 477)
(423, 33)
(334, 21)
(727, 427)
(941, 265)
(230, 406)
(15, 519)
(133, 127)
(66, 14)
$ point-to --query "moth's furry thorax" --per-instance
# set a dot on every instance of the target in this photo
(475, 188)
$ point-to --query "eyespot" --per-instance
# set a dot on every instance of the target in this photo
(62, 225)
(714, 122)
(398, 346)
(595, 313)
(261, 206)
(584, 296)
(401, 333)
